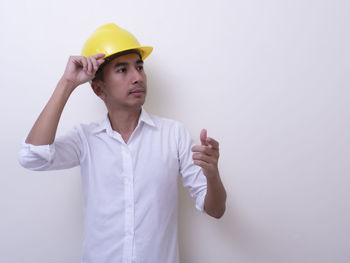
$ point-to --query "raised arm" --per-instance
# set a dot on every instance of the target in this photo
(79, 70)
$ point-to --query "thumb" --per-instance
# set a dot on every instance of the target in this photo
(203, 137)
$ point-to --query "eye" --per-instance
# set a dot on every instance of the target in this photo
(121, 70)
(139, 68)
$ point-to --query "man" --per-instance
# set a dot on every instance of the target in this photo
(130, 161)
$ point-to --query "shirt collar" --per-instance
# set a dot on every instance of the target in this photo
(105, 125)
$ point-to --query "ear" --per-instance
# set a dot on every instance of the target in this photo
(97, 87)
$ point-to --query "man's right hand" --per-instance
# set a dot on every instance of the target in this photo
(81, 69)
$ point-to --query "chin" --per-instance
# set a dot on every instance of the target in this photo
(138, 105)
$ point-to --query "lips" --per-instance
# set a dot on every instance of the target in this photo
(137, 91)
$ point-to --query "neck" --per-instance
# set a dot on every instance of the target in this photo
(124, 121)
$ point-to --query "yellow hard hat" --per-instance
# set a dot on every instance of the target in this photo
(111, 39)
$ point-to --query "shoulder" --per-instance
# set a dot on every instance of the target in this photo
(88, 128)
(171, 128)
(166, 123)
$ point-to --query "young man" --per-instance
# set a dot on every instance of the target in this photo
(130, 161)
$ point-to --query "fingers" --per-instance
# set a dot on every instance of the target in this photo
(213, 143)
(203, 137)
(206, 150)
(98, 56)
(207, 154)
(83, 62)
(206, 166)
(204, 158)
(96, 61)
(100, 61)
(80, 69)
(91, 64)
(88, 63)
(208, 141)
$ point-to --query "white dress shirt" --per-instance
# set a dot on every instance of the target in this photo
(130, 190)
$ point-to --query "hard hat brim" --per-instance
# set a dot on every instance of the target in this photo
(145, 51)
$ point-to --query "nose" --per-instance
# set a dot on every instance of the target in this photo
(136, 76)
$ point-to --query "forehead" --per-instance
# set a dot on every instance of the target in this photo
(128, 58)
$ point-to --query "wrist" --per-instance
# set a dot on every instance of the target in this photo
(213, 178)
(67, 84)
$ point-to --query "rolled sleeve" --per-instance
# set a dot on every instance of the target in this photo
(64, 153)
(192, 175)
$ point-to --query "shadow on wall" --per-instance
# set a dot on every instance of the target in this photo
(232, 238)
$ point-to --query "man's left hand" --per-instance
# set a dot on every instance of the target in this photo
(207, 155)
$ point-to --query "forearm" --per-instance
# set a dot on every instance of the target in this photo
(215, 199)
(44, 129)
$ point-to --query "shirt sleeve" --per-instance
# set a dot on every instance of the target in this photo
(63, 153)
(192, 175)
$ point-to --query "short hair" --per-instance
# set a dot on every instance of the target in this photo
(99, 72)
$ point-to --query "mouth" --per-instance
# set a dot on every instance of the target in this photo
(137, 91)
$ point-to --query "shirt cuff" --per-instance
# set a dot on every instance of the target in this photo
(44, 151)
(35, 156)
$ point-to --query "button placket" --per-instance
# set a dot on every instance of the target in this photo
(129, 203)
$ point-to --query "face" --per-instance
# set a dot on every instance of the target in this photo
(124, 83)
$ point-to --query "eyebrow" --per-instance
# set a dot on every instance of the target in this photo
(123, 64)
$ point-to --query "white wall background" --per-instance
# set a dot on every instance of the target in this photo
(268, 79)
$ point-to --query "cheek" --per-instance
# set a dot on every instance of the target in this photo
(114, 84)
(144, 78)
